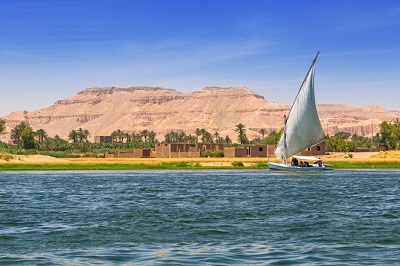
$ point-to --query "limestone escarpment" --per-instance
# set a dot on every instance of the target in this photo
(104, 110)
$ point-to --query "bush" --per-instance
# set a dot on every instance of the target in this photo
(238, 164)
(219, 153)
(210, 153)
(6, 157)
(262, 165)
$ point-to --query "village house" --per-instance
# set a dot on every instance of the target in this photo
(194, 150)
(185, 150)
(138, 153)
(318, 149)
(250, 151)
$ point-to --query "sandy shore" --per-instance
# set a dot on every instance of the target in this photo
(363, 155)
(331, 157)
(33, 159)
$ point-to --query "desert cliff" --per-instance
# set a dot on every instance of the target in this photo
(104, 110)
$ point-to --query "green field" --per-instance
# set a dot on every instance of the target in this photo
(179, 164)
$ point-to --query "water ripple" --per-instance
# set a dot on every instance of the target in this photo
(199, 217)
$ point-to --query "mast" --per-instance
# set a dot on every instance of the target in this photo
(304, 81)
(284, 138)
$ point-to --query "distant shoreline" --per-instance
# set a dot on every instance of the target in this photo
(44, 163)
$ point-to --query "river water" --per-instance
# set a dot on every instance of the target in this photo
(231, 217)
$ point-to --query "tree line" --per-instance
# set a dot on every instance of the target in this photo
(388, 138)
(25, 138)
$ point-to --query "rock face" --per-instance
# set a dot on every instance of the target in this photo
(104, 110)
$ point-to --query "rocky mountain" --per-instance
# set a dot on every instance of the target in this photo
(103, 110)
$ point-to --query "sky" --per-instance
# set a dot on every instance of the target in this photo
(52, 49)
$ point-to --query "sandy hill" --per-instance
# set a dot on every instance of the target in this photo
(103, 110)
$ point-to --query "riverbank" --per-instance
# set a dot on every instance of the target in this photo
(388, 159)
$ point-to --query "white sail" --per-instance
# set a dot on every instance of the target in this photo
(302, 128)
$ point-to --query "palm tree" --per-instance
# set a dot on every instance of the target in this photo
(118, 135)
(172, 137)
(28, 138)
(144, 133)
(182, 137)
(41, 134)
(16, 133)
(54, 144)
(198, 134)
(128, 137)
(216, 136)
(73, 135)
(23, 136)
(191, 139)
(137, 138)
(86, 135)
(241, 131)
(2, 126)
(81, 135)
(207, 137)
(263, 132)
(152, 137)
(114, 135)
(167, 138)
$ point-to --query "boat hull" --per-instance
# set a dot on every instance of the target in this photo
(286, 167)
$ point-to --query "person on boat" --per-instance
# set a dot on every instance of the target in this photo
(301, 164)
(306, 164)
(295, 162)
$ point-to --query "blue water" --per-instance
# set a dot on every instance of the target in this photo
(200, 218)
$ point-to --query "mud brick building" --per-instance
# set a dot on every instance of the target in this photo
(185, 150)
(250, 151)
(138, 153)
(318, 149)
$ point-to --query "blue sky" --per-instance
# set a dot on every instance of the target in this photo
(51, 50)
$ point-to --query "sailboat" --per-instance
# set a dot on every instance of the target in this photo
(302, 129)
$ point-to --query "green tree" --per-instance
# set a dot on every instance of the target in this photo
(207, 137)
(198, 134)
(182, 137)
(152, 137)
(263, 131)
(28, 138)
(137, 138)
(41, 135)
(241, 132)
(2, 126)
(272, 138)
(360, 141)
(171, 137)
(128, 137)
(340, 142)
(228, 140)
(118, 135)
(23, 136)
(144, 133)
(191, 139)
(73, 136)
(83, 135)
(54, 144)
(390, 135)
(86, 135)
(16, 133)
(218, 138)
